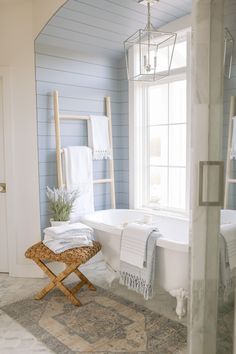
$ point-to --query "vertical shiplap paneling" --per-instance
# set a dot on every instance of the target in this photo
(230, 90)
(83, 82)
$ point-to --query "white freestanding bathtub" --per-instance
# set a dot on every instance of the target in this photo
(172, 248)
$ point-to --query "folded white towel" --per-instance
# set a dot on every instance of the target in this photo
(69, 231)
(76, 238)
(98, 137)
(59, 246)
(228, 231)
(78, 173)
(134, 243)
(233, 142)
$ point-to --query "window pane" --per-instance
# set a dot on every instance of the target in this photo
(177, 146)
(177, 187)
(177, 101)
(180, 55)
(162, 59)
(158, 185)
(158, 145)
(158, 104)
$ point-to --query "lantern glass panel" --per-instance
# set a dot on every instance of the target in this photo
(149, 54)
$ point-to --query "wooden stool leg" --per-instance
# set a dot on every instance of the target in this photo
(50, 274)
(84, 279)
(77, 287)
(56, 281)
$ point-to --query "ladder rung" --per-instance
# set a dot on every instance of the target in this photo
(75, 117)
(231, 180)
(97, 181)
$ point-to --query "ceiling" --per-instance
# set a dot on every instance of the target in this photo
(103, 25)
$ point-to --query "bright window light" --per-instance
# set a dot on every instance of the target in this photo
(164, 142)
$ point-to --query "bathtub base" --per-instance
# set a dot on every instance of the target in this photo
(172, 268)
(181, 296)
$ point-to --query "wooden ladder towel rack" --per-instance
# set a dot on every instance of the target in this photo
(57, 118)
(229, 179)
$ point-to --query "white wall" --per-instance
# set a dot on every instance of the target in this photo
(19, 23)
(43, 10)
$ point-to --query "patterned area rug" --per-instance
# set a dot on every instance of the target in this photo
(105, 324)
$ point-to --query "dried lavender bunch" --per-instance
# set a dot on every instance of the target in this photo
(61, 202)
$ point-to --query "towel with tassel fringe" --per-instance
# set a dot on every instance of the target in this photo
(227, 279)
(141, 280)
(98, 137)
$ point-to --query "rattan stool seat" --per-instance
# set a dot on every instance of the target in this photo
(82, 254)
(73, 258)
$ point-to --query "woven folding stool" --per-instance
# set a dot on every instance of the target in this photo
(73, 258)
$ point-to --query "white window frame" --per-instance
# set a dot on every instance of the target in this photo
(136, 112)
(145, 144)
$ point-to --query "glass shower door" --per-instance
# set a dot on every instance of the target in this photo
(206, 172)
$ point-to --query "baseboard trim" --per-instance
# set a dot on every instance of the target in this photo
(26, 271)
(33, 271)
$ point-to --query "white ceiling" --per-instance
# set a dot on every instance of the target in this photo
(104, 24)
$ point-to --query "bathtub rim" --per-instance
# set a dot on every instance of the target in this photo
(162, 242)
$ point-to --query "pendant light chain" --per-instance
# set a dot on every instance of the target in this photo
(149, 16)
(149, 25)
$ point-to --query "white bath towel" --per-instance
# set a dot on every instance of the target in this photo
(226, 278)
(59, 246)
(65, 237)
(142, 280)
(98, 137)
(134, 243)
(228, 231)
(78, 173)
(233, 142)
(69, 231)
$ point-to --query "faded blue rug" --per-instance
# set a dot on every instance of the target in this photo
(105, 324)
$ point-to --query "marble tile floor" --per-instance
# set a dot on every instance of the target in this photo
(14, 339)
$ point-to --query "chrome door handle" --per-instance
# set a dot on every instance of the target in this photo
(3, 188)
(203, 185)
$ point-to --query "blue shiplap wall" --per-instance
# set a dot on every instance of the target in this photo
(230, 90)
(80, 54)
(83, 80)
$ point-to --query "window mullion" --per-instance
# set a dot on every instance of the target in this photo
(168, 147)
(147, 149)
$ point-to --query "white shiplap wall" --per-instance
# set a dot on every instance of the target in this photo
(82, 82)
(230, 90)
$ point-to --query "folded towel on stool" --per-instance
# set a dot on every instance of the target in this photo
(69, 236)
(69, 231)
(59, 246)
